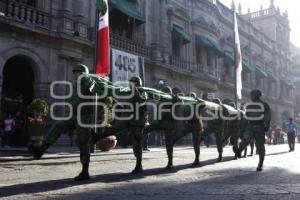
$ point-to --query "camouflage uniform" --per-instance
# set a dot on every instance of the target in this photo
(83, 134)
(134, 126)
(256, 128)
(232, 128)
(216, 126)
(195, 126)
(168, 125)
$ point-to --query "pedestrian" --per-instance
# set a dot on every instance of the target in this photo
(258, 115)
(19, 126)
(291, 129)
(269, 135)
(277, 133)
(9, 124)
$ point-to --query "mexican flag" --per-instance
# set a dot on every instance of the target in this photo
(103, 57)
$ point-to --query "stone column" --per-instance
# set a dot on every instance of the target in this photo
(204, 58)
(79, 8)
(215, 72)
(67, 5)
(42, 90)
(165, 31)
(155, 43)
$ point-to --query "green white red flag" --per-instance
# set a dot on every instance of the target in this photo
(103, 51)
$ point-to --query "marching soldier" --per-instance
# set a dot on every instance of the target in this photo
(167, 124)
(216, 126)
(258, 117)
(195, 126)
(232, 127)
(136, 124)
(83, 134)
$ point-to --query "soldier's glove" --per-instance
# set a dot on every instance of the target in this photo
(92, 88)
(176, 98)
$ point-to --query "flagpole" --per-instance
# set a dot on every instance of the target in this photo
(96, 38)
(95, 67)
(235, 61)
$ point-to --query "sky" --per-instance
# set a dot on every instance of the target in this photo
(292, 6)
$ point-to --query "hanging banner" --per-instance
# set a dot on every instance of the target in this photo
(125, 65)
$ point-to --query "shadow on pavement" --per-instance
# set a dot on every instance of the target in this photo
(227, 182)
(45, 186)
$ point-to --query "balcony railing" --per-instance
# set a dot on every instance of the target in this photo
(129, 45)
(24, 13)
(192, 68)
(182, 64)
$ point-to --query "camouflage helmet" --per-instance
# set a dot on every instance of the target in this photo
(229, 102)
(167, 89)
(81, 68)
(256, 93)
(232, 104)
(193, 94)
(217, 101)
(137, 80)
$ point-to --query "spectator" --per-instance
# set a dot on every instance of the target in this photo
(9, 124)
(276, 135)
(269, 134)
(291, 130)
(146, 135)
(19, 126)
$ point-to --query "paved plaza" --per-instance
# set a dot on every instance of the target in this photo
(52, 176)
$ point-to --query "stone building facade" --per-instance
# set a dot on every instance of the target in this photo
(40, 41)
(296, 78)
(204, 64)
(187, 44)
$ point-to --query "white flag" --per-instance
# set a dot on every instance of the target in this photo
(238, 60)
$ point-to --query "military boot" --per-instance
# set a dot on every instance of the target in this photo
(84, 174)
(138, 167)
(245, 153)
(220, 158)
(237, 152)
(260, 164)
(170, 165)
(196, 161)
(38, 151)
(251, 152)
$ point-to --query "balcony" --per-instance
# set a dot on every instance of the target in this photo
(182, 64)
(129, 45)
(23, 14)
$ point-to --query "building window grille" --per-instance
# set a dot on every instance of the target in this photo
(176, 47)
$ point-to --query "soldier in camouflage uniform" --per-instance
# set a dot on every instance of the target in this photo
(135, 126)
(167, 124)
(216, 126)
(251, 149)
(83, 134)
(195, 126)
(232, 127)
(258, 117)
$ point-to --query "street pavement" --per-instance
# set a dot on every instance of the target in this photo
(52, 176)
